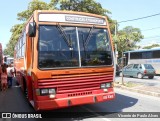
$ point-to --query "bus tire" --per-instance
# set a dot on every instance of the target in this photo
(25, 88)
(150, 77)
(140, 76)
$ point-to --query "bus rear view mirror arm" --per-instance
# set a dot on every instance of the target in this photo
(32, 29)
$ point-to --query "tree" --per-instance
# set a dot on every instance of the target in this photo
(24, 16)
(16, 31)
(89, 6)
(151, 46)
(128, 34)
(36, 5)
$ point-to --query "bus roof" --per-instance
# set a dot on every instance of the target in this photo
(144, 50)
(70, 17)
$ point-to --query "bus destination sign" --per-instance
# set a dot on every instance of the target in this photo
(84, 19)
(71, 18)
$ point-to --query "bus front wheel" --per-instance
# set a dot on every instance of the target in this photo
(25, 88)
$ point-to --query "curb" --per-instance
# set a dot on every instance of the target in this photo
(155, 94)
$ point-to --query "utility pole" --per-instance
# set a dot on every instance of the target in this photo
(115, 45)
(115, 51)
(122, 68)
(127, 43)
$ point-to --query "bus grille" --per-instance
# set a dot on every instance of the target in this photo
(76, 82)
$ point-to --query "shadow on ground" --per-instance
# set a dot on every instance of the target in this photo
(13, 100)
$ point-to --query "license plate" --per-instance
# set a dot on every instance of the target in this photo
(107, 97)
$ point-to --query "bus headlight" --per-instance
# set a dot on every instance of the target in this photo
(47, 91)
(44, 91)
(106, 85)
(102, 86)
(52, 91)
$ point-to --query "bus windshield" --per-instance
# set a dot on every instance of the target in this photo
(65, 46)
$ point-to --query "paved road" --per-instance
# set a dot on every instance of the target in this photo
(13, 101)
(145, 81)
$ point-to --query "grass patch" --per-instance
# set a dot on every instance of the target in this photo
(127, 84)
(131, 84)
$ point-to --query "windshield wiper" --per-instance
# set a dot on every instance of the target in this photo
(68, 41)
(88, 37)
(69, 44)
(85, 42)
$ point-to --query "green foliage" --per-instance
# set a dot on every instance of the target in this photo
(36, 5)
(131, 84)
(24, 16)
(112, 24)
(89, 6)
(151, 46)
(16, 31)
(127, 38)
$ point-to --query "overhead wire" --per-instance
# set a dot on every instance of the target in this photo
(145, 29)
(151, 29)
(139, 18)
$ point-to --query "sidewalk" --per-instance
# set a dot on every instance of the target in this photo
(143, 89)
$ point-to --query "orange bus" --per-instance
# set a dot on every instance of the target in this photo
(65, 58)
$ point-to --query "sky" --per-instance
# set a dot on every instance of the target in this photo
(121, 10)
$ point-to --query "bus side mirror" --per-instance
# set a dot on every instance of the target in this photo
(32, 29)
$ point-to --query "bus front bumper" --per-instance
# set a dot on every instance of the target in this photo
(72, 101)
